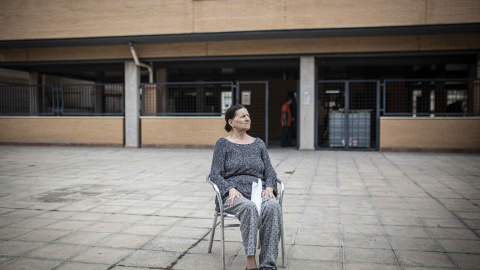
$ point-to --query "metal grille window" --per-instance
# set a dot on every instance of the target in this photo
(27, 100)
(78, 99)
(94, 99)
(347, 114)
(186, 99)
(432, 97)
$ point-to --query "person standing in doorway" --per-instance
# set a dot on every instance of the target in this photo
(287, 123)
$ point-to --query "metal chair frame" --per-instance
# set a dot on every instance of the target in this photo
(224, 215)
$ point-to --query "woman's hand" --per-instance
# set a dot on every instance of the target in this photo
(268, 193)
(232, 194)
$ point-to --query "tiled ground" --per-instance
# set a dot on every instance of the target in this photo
(108, 208)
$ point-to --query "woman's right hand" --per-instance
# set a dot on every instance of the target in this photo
(232, 194)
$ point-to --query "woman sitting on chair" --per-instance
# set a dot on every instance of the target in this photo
(242, 171)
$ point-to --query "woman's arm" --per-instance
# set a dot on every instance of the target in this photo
(217, 172)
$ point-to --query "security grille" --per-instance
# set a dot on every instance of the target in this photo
(68, 99)
(347, 114)
(27, 100)
(92, 99)
(185, 98)
(432, 97)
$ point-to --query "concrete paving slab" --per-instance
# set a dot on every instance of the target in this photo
(121, 209)
(379, 256)
(462, 246)
(371, 266)
(42, 235)
(466, 261)
(56, 251)
(34, 223)
(150, 259)
(317, 253)
(366, 241)
(30, 263)
(7, 233)
(420, 244)
(103, 254)
(17, 248)
(82, 238)
(407, 231)
(82, 266)
(313, 265)
(105, 227)
(190, 261)
(231, 248)
(123, 218)
(139, 229)
(121, 240)
(424, 259)
(68, 225)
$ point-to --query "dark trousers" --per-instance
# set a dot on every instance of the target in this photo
(286, 136)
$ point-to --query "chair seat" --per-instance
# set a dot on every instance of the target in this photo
(227, 215)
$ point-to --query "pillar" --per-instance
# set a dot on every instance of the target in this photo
(307, 103)
(132, 105)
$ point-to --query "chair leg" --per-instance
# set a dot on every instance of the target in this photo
(283, 246)
(223, 241)
(213, 232)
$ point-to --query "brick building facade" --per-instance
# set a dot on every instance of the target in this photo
(320, 52)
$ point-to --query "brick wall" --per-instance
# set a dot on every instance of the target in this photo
(104, 131)
(39, 19)
(194, 132)
(430, 134)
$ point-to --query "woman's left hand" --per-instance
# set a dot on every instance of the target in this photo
(268, 193)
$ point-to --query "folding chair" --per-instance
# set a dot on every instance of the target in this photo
(224, 215)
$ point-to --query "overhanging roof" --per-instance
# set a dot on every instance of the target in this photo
(248, 35)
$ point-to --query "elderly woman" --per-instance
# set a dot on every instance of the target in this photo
(242, 171)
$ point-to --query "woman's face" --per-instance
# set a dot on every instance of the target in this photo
(241, 121)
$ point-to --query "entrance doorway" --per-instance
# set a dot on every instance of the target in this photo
(347, 114)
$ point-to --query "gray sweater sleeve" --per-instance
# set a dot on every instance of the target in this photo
(217, 172)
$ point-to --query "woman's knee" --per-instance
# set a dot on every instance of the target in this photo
(247, 205)
(271, 205)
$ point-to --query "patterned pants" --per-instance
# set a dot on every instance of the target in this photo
(271, 220)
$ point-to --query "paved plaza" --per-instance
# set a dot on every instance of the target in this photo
(124, 209)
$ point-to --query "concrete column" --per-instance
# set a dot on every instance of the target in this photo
(132, 105)
(307, 103)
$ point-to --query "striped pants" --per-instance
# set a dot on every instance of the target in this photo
(271, 218)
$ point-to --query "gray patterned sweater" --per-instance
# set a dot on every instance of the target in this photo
(239, 165)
